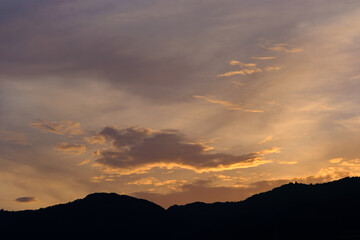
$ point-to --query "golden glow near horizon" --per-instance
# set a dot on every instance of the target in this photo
(131, 98)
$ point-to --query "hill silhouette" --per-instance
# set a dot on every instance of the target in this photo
(292, 211)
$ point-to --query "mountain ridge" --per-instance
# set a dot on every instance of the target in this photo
(313, 210)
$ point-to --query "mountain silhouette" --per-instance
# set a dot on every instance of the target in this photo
(292, 211)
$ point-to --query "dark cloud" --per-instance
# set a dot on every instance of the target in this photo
(26, 199)
(124, 137)
(137, 147)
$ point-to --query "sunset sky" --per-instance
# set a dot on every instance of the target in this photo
(175, 101)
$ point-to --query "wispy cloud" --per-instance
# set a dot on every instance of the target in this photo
(75, 149)
(240, 72)
(355, 77)
(62, 128)
(264, 58)
(273, 68)
(287, 162)
(241, 64)
(283, 47)
(96, 139)
(336, 160)
(237, 83)
(266, 139)
(228, 105)
(84, 162)
(173, 184)
(246, 69)
(14, 137)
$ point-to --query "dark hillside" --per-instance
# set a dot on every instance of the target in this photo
(292, 211)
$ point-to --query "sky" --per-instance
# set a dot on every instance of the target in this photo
(175, 101)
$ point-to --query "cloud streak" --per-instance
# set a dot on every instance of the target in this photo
(14, 137)
(246, 71)
(264, 58)
(282, 47)
(241, 64)
(228, 105)
(268, 138)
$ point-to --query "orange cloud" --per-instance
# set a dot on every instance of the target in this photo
(336, 160)
(271, 69)
(266, 139)
(84, 162)
(172, 184)
(269, 151)
(75, 149)
(97, 139)
(206, 191)
(234, 62)
(264, 58)
(113, 170)
(287, 162)
(283, 47)
(240, 72)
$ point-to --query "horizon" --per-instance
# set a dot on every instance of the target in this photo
(190, 203)
(175, 101)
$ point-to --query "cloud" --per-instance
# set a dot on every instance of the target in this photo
(264, 58)
(137, 150)
(353, 164)
(172, 184)
(96, 139)
(207, 191)
(26, 199)
(268, 138)
(271, 69)
(84, 162)
(15, 137)
(240, 72)
(351, 123)
(354, 77)
(228, 105)
(336, 160)
(282, 47)
(287, 162)
(240, 84)
(326, 108)
(62, 128)
(241, 64)
(126, 136)
(75, 149)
